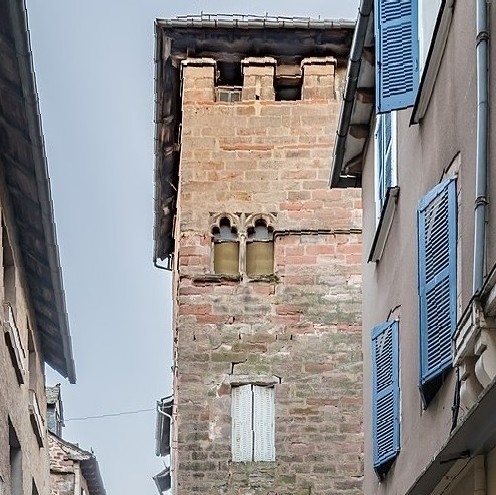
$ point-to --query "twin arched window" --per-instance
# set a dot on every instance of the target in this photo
(247, 251)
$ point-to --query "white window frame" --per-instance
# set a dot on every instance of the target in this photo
(428, 12)
(253, 423)
(379, 161)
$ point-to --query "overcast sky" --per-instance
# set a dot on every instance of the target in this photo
(94, 68)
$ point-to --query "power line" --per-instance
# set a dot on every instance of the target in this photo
(111, 415)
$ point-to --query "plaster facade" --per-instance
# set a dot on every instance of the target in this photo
(297, 329)
(445, 444)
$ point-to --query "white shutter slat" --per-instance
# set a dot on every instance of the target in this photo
(263, 423)
(242, 434)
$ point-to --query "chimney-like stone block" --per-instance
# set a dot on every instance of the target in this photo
(198, 80)
(258, 78)
(319, 78)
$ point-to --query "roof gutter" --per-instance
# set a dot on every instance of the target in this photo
(336, 179)
(241, 21)
(25, 61)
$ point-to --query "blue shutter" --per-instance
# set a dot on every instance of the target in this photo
(386, 394)
(437, 279)
(397, 67)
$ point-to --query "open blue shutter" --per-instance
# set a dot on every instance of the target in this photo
(397, 67)
(385, 373)
(437, 279)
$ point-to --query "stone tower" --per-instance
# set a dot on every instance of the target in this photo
(265, 257)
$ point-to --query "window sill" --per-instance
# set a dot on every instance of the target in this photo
(271, 279)
(214, 278)
(433, 61)
(382, 232)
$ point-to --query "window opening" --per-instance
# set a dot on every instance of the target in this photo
(288, 88)
(229, 82)
(226, 248)
(260, 249)
(15, 462)
(385, 158)
(253, 423)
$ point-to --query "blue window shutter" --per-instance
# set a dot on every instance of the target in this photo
(397, 53)
(386, 395)
(437, 281)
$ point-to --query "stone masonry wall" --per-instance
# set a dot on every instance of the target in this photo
(62, 473)
(301, 325)
(14, 393)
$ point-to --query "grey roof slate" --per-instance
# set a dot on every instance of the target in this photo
(24, 164)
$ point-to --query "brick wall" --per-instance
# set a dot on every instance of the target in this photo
(301, 326)
(62, 477)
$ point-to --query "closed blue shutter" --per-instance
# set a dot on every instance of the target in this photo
(437, 281)
(385, 372)
(397, 67)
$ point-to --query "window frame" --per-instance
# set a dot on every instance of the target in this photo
(427, 22)
(380, 160)
(385, 192)
(243, 235)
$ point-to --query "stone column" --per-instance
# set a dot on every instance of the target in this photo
(198, 80)
(318, 78)
(258, 78)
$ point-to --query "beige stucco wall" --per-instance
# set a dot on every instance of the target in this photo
(447, 135)
(14, 398)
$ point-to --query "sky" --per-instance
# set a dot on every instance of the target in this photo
(94, 68)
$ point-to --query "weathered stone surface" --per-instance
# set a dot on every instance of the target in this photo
(302, 325)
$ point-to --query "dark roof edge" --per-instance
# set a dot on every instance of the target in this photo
(241, 21)
(26, 69)
(91, 472)
(336, 179)
(89, 465)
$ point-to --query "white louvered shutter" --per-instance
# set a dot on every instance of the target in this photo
(242, 433)
(263, 423)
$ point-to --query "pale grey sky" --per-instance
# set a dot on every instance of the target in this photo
(94, 68)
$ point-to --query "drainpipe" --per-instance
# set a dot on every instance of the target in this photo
(482, 42)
